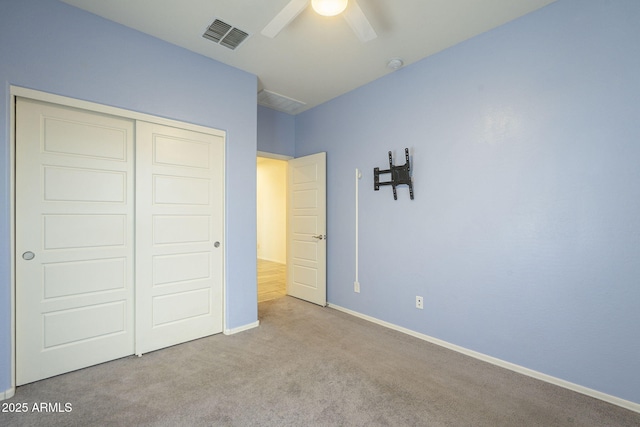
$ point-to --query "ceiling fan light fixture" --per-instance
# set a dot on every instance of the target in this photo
(329, 7)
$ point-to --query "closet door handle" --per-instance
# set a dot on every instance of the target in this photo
(320, 237)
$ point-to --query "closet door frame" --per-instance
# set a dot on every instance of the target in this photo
(16, 91)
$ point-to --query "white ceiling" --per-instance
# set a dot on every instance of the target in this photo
(315, 58)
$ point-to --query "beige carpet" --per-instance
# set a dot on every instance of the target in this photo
(306, 366)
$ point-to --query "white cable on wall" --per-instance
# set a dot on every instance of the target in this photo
(356, 283)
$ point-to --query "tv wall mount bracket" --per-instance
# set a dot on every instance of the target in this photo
(399, 175)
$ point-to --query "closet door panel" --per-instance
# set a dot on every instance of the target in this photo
(179, 235)
(74, 239)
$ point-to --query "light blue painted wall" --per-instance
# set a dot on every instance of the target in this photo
(276, 132)
(52, 47)
(524, 235)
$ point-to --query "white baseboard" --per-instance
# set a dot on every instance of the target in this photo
(8, 394)
(632, 406)
(271, 260)
(242, 328)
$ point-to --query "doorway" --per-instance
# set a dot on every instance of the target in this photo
(271, 228)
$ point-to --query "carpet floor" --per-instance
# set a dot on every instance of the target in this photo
(304, 366)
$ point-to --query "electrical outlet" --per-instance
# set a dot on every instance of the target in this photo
(356, 287)
(419, 302)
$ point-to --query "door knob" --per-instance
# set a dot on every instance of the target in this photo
(28, 256)
(320, 236)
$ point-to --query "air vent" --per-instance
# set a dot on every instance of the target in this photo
(279, 102)
(224, 34)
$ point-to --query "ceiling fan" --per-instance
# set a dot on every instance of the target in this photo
(349, 8)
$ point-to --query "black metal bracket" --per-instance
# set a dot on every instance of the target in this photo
(399, 175)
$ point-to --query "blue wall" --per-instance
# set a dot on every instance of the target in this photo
(52, 47)
(276, 132)
(524, 235)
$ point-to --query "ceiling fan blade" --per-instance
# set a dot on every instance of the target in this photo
(286, 15)
(358, 22)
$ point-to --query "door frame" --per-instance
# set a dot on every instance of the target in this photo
(18, 91)
(286, 158)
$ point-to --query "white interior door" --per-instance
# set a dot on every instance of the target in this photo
(307, 229)
(74, 239)
(179, 235)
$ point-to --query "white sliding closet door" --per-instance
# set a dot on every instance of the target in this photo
(74, 239)
(179, 235)
(119, 237)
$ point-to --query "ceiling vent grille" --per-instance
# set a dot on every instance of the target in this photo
(224, 34)
(279, 102)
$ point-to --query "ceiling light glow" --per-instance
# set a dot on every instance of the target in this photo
(329, 7)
